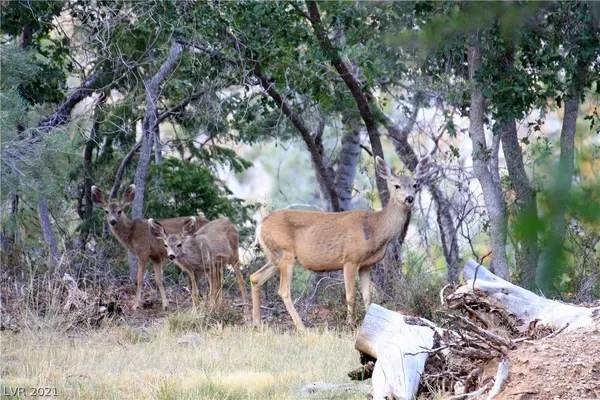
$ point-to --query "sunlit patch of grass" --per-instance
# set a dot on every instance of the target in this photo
(226, 362)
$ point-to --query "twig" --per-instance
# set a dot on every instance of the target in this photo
(555, 333)
(470, 395)
(501, 376)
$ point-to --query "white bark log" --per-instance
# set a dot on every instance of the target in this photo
(526, 305)
(401, 351)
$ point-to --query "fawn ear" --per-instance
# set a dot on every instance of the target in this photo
(128, 196)
(383, 169)
(157, 230)
(189, 227)
(98, 196)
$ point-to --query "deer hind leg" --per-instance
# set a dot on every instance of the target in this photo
(240, 281)
(364, 274)
(158, 277)
(286, 269)
(140, 282)
(350, 284)
(258, 279)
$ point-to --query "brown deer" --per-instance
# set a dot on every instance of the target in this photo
(136, 237)
(351, 241)
(204, 251)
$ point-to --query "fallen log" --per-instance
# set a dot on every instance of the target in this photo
(526, 305)
(401, 345)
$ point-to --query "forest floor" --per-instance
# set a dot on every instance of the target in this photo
(173, 355)
(566, 366)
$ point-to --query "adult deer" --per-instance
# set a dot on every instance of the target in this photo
(351, 241)
(204, 251)
(136, 237)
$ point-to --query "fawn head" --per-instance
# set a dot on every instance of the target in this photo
(114, 209)
(173, 242)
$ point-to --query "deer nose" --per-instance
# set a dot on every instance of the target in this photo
(409, 199)
(171, 257)
(113, 222)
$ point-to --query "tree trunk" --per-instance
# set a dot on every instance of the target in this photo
(321, 169)
(525, 199)
(149, 133)
(88, 181)
(347, 162)
(359, 96)
(492, 192)
(150, 128)
(552, 253)
(322, 185)
(48, 233)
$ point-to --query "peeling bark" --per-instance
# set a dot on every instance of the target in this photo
(47, 232)
(492, 192)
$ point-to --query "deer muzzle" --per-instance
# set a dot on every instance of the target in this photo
(113, 222)
(171, 257)
(409, 199)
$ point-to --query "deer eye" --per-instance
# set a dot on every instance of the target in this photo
(179, 245)
(119, 212)
(105, 212)
(397, 186)
(166, 247)
(415, 186)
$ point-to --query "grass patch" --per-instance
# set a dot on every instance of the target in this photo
(228, 362)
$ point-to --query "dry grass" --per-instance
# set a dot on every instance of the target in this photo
(226, 362)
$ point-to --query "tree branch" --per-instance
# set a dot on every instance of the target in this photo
(355, 89)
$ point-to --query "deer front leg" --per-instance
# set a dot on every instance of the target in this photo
(350, 284)
(158, 277)
(364, 275)
(140, 281)
(258, 279)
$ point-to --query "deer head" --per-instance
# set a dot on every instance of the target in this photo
(404, 189)
(174, 242)
(114, 209)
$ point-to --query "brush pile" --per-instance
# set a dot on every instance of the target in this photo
(471, 354)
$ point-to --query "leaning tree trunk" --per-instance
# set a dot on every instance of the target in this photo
(552, 252)
(492, 192)
(149, 134)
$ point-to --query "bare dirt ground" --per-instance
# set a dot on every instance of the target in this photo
(565, 367)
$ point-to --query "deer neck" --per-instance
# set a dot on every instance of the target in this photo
(123, 231)
(389, 222)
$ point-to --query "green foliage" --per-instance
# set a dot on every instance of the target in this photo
(182, 188)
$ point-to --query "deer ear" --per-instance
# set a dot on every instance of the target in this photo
(98, 196)
(383, 169)
(157, 230)
(128, 196)
(189, 227)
